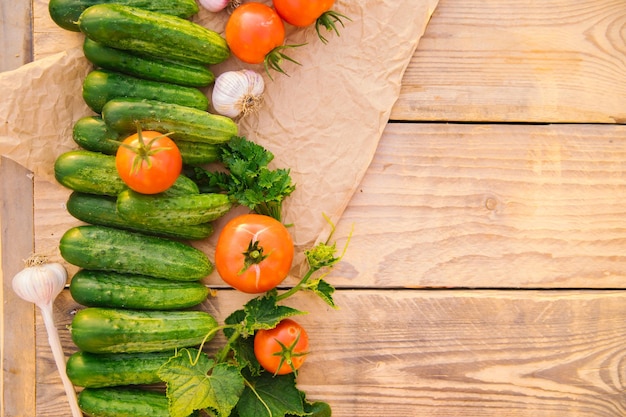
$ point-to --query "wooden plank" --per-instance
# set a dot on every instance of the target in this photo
(472, 205)
(506, 60)
(17, 323)
(418, 352)
(16, 36)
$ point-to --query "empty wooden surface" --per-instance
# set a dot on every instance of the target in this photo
(486, 271)
(519, 61)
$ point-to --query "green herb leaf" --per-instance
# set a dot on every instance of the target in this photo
(271, 396)
(324, 290)
(194, 382)
(249, 181)
(264, 313)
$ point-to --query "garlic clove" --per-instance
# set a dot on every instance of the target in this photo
(237, 93)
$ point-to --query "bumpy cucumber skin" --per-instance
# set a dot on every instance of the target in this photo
(88, 172)
(198, 153)
(100, 86)
(124, 402)
(161, 210)
(153, 34)
(182, 123)
(109, 330)
(92, 370)
(92, 134)
(102, 210)
(116, 290)
(110, 249)
(191, 75)
(65, 13)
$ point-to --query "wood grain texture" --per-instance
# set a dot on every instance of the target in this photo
(16, 34)
(17, 321)
(472, 205)
(414, 353)
(506, 60)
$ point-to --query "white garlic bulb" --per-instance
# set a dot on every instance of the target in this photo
(219, 5)
(40, 283)
(238, 93)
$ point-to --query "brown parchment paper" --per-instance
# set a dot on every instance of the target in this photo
(323, 121)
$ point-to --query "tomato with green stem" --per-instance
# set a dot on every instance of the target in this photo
(283, 349)
(255, 34)
(149, 162)
(254, 253)
(302, 13)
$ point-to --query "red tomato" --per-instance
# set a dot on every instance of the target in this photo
(254, 253)
(253, 30)
(148, 162)
(302, 12)
(281, 350)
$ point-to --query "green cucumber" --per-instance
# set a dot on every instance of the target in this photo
(183, 123)
(124, 402)
(92, 134)
(65, 13)
(197, 153)
(88, 172)
(116, 290)
(95, 173)
(100, 86)
(161, 211)
(110, 249)
(102, 210)
(191, 75)
(153, 34)
(92, 370)
(112, 330)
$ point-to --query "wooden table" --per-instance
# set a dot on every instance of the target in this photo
(486, 274)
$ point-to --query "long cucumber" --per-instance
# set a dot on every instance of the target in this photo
(111, 330)
(102, 210)
(153, 34)
(149, 68)
(118, 290)
(111, 249)
(170, 211)
(183, 123)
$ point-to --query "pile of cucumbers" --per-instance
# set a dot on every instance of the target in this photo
(139, 277)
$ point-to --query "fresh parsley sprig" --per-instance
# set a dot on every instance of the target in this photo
(248, 181)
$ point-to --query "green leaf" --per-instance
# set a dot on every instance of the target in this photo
(324, 290)
(318, 409)
(249, 181)
(243, 346)
(190, 386)
(264, 313)
(271, 396)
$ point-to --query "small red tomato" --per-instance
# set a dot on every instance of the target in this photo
(253, 30)
(283, 349)
(302, 13)
(254, 253)
(148, 162)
